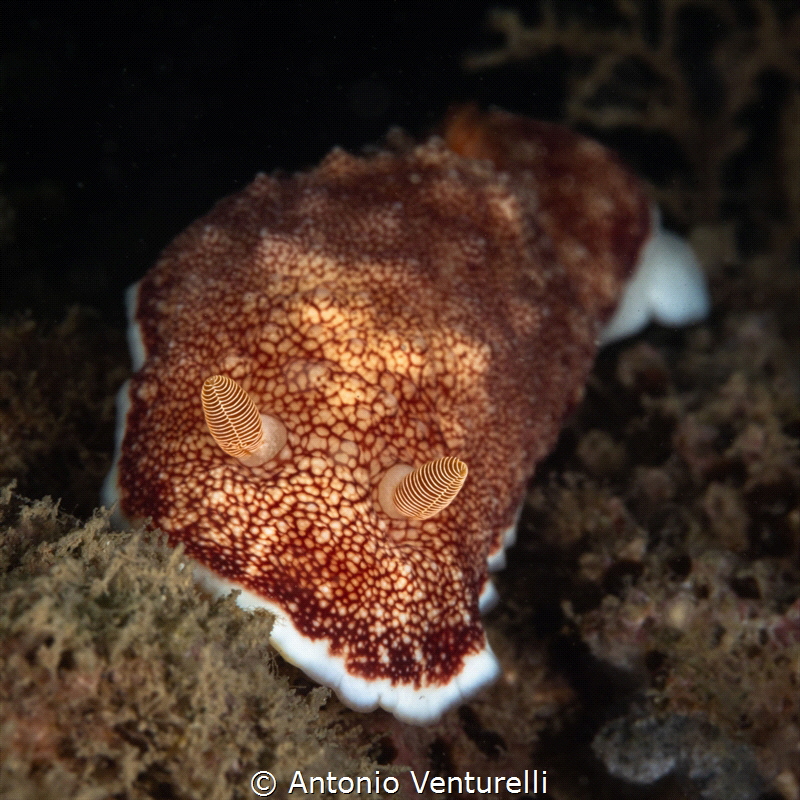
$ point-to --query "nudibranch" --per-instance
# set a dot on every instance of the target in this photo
(343, 380)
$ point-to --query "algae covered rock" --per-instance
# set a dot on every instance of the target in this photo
(119, 678)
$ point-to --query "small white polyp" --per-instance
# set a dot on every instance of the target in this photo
(668, 286)
(418, 706)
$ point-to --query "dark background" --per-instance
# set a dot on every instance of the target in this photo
(121, 123)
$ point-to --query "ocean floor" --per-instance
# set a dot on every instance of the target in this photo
(648, 628)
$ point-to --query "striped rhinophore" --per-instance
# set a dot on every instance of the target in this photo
(430, 488)
(231, 416)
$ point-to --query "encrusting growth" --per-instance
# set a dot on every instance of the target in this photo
(423, 492)
(235, 424)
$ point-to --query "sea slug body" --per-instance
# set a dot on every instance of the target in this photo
(435, 305)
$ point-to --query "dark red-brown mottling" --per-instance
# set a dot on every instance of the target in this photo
(570, 173)
(388, 309)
